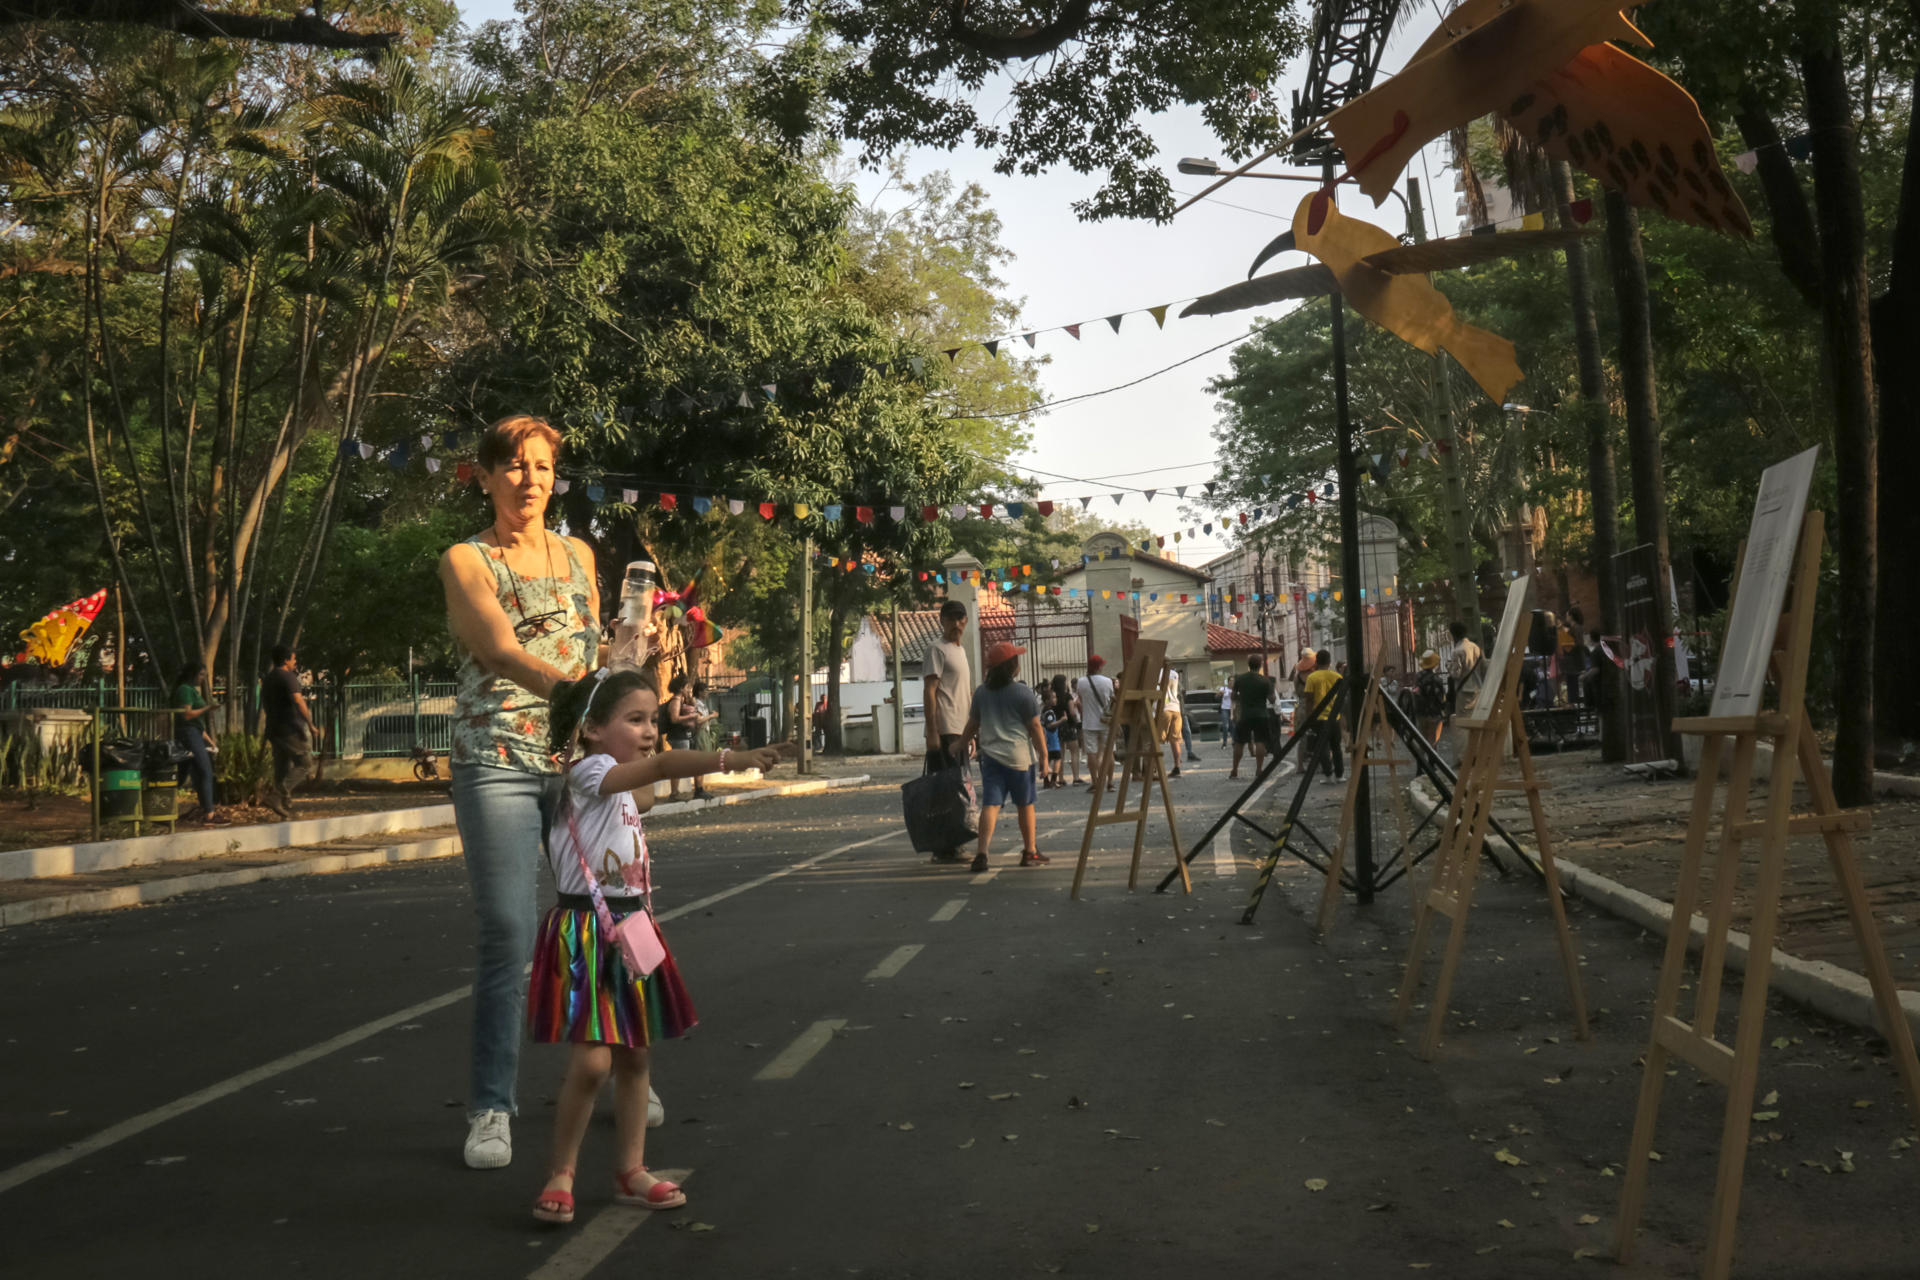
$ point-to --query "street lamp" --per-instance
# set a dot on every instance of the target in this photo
(1203, 167)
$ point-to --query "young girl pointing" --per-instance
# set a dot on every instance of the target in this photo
(582, 993)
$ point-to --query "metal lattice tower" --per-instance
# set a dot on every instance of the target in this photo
(1348, 38)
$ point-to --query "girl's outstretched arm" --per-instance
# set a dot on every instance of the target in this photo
(648, 770)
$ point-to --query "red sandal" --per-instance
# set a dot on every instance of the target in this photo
(658, 1193)
(552, 1204)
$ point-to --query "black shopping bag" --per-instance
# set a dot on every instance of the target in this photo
(942, 808)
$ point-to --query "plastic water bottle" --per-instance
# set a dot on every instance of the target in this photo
(636, 611)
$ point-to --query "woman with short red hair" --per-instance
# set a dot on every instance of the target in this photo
(524, 610)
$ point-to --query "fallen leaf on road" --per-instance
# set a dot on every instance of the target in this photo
(1009, 1137)
(1585, 1253)
(1606, 1171)
(1654, 1156)
(1316, 1184)
(1550, 1079)
(1001, 1097)
(1505, 1222)
(1505, 1156)
(966, 1144)
(1587, 1219)
(1773, 1096)
(1901, 1144)
(1103, 971)
(700, 1226)
(1766, 1115)
(1861, 1104)
(1781, 1042)
(1418, 1266)
(157, 1161)
(1218, 1124)
(1026, 1051)
(1092, 1227)
(905, 1126)
(966, 1084)
(1380, 1207)
(1488, 1248)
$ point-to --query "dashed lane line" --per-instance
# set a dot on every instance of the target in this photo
(27, 1171)
(594, 1243)
(953, 907)
(985, 876)
(896, 961)
(801, 1051)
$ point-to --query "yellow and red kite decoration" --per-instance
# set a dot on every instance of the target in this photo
(51, 639)
(1546, 67)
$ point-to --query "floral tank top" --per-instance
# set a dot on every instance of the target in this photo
(497, 723)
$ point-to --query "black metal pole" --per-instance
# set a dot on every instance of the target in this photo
(1349, 480)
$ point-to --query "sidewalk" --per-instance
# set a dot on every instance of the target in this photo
(1630, 830)
(199, 861)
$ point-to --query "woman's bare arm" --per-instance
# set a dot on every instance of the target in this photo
(483, 628)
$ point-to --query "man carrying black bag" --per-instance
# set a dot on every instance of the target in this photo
(948, 701)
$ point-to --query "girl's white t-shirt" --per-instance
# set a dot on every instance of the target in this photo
(610, 833)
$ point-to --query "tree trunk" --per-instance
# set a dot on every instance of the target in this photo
(1602, 490)
(1629, 269)
(1849, 359)
(836, 650)
(1896, 327)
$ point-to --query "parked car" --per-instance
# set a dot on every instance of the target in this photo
(1201, 707)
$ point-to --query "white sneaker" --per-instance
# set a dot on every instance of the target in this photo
(489, 1140)
(656, 1110)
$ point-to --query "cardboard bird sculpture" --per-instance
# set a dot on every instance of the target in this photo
(1408, 306)
(1546, 67)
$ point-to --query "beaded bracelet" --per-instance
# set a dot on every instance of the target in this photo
(723, 759)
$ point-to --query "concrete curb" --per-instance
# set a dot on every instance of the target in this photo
(135, 851)
(133, 895)
(1884, 783)
(1826, 988)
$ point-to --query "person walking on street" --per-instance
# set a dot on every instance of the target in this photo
(1069, 727)
(678, 720)
(289, 728)
(1095, 694)
(1252, 722)
(1005, 722)
(1325, 726)
(191, 709)
(524, 611)
(947, 698)
(1466, 669)
(1051, 719)
(1172, 721)
(1226, 713)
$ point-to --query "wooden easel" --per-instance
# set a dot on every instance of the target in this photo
(1494, 721)
(1373, 746)
(1791, 735)
(1136, 707)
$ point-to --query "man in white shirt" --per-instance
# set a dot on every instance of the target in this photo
(1466, 671)
(948, 683)
(947, 679)
(1095, 692)
(1226, 713)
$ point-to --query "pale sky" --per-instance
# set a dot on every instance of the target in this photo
(1158, 434)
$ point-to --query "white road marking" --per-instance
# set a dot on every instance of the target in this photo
(801, 1051)
(895, 962)
(1223, 863)
(594, 1243)
(953, 908)
(985, 876)
(94, 1143)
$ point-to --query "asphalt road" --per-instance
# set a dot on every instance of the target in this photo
(904, 1070)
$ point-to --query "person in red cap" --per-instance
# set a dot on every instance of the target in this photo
(1095, 692)
(1005, 723)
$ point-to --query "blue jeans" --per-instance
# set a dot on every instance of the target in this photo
(502, 816)
(200, 768)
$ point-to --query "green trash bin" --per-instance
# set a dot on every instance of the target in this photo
(119, 794)
(160, 796)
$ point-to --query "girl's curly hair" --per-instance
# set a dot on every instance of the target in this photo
(568, 710)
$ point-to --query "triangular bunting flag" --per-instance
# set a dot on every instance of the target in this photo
(1016, 509)
(770, 390)
(950, 353)
(596, 494)
(1045, 509)
(831, 511)
(1150, 493)
(702, 505)
(896, 514)
(766, 511)
(745, 401)
(629, 496)
(668, 502)
(801, 511)
(1180, 491)
(863, 514)
(433, 465)
(1073, 331)
(1031, 338)
(929, 514)
(918, 364)
(1159, 315)
(561, 486)
(463, 472)
(986, 511)
(959, 511)
(1117, 497)
(1115, 321)
(993, 348)
(1085, 502)
(366, 451)
(735, 506)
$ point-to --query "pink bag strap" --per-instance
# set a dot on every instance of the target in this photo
(600, 909)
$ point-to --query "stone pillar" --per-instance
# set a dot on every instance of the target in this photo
(1109, 569)
(960, 586)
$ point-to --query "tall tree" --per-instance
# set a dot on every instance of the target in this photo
(1646, 466)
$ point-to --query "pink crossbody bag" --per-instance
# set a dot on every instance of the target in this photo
(637, 936)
